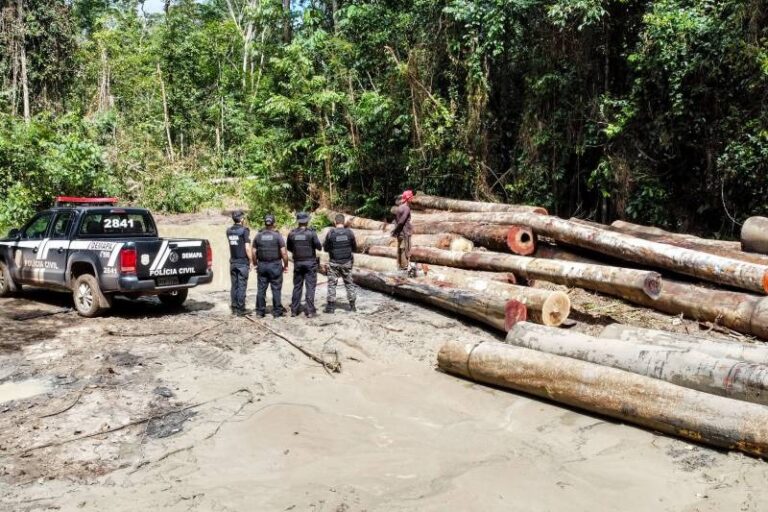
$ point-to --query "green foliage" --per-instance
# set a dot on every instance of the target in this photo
(652, 111)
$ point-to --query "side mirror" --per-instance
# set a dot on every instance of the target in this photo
(14, 234)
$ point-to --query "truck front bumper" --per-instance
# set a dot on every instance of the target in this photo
(132, 284)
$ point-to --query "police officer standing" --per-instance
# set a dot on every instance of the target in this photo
(303, 244)
(340, 244)
(239, 238)
(268, 251)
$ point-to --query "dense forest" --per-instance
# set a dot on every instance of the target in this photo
(653, 111)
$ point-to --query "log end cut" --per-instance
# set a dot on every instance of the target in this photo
(521, 240)
(555, 309)
(514, 311)
(652, 285)
(461, 245)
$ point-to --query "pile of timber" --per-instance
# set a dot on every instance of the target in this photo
(707, 390)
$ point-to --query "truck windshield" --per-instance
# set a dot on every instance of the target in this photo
(117, 223)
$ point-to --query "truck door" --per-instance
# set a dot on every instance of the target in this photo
(54, 254)
(28, 250)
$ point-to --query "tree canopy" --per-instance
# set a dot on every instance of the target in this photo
(654, 111)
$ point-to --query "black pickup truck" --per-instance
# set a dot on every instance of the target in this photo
(97, 252)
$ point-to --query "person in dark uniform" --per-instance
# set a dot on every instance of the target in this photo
(403, 231)
(303, 244)
(271, 260)
(239, 238)
(340, 245)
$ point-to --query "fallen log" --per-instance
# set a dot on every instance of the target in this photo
(687, 367)
(717, 247)
(748, 352)
(517, 239)
(652, 403)
(456, 205)
(493, 311)
(620, 282)
(754, 235)
(369, 238)
(357, 222)
(742, 312)
(544, 306)
(709, 267)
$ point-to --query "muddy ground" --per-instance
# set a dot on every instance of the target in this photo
(152, 409)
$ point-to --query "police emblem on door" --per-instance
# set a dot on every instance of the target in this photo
(145, 259)
(174, 257)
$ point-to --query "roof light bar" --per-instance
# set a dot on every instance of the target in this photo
(89, 201)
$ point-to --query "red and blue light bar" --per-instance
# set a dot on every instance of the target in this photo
(88, 201)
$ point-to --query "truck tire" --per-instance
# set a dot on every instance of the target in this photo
(5, 280)
(87, 296)
(174, 299)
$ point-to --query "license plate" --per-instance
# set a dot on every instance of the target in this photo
(167, 281)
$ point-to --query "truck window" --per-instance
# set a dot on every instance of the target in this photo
(61, 225)
(106, 224)
(38, 227)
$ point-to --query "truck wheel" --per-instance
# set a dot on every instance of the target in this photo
(174, 299)
(87, 296)
(6, 281)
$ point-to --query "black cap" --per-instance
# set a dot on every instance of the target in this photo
(302, 217)
(238, 215)
(269, 219)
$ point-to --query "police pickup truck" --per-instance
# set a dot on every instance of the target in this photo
(97, 250)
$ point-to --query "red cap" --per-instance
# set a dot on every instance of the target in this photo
(407, 195)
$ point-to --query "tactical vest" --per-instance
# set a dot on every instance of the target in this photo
(236, 237)
(341, 245)
(303, 246)
(268, 246)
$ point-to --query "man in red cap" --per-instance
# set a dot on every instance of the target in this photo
(403, 231)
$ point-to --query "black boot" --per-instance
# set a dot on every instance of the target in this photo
(330, 308)
(352, 306)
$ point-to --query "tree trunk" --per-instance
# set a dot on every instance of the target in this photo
(357, 222)
(443, 203)
(368, 238)
(651, 403)
(517, 239)
(498, 313)
(544, 306)
(23, 61)
(716, 247)
(755, 353)
(739, 311)
(620, 282)
(709, 267)
(685, 367)
(166, 116)
(287, 23)
(754, 235)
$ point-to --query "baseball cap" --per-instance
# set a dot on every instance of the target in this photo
(238, 215)
(302, 217)
(269, 219)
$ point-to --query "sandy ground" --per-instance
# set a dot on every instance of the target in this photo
(151, 409)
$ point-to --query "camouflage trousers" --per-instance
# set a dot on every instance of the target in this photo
(404, 251)
(343, 271)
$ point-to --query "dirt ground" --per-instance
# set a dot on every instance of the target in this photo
(151, 409)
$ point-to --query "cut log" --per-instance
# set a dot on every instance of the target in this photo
(381, 260)
(455, 205)
(686, 367)
(358, 222)
(754, 235)
(517, 239)
(742, 312)
(716, 247)
(748, 352)
(366, 238)
(493, 311)
(544, 306)
(619, 282)
(651, 403)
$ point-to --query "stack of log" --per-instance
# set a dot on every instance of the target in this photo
(486, 261)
